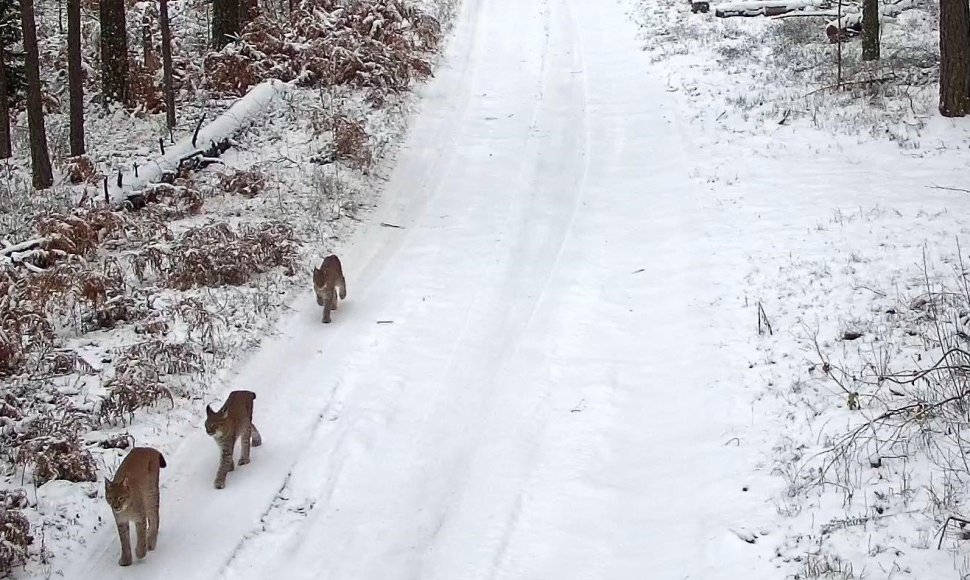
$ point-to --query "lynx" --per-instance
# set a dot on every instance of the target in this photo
(327, 280)
(133, 497)
(233, 421)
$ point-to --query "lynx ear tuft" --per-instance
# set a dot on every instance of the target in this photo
(208, 411)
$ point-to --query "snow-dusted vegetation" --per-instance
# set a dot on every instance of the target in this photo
(858, 357)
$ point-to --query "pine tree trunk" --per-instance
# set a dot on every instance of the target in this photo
(75, 76)
(39, 157)
(870, 30)
(954, 57)
(114, 51)
(225, 22)
(146, 40)
(5, 148)
(167, 64)
(247, 12)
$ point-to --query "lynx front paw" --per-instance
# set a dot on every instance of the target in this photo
(243, 460)
(219, 484)
(125, 561)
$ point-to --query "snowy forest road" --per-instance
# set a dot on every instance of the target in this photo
(526, 379)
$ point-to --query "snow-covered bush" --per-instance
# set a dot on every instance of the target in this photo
(245, 183)
(379, 45)
(14, 529)
(220, 255)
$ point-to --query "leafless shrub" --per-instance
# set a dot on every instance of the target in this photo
(139, 386)
(248, 184)
(201, 323)
(23, 323)
(50, 288)
(80, 232)
(53, 457)
(155, 324)
(60, 362)
(216, 255)
(80, 169)
(381, 45)
(168, 201)
(15, 535)
(351, 143)
(915, 410)
(150, 259)
(167, 358)
(49, 445)
(120, 309)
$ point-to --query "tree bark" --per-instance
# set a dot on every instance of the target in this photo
(39, 157)
(114, 51)
(954, 57)
(167, 64)
(870, 30)
(5, 146)
(225, 22)
(146, 40)
(75, 76)
(247, 12)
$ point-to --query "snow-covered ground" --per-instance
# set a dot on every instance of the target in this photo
(553, 369)
(834, 211)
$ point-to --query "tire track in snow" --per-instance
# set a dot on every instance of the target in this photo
(517, 513)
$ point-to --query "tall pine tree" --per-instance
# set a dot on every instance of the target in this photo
(225, 22)
(75, 76)
(39, 156)
(954, 58)
(13, 80)
(114, 51)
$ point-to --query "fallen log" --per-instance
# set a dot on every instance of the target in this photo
(11, 249)
(213, 140)
(807, 14)
(761, 7)
(22, 252)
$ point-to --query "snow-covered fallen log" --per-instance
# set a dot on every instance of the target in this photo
(761, 7)
(240, 115)
(22, 253)
(11, 249)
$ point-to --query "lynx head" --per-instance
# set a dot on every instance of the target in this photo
(319, 276)
(117, 494)
(215, 421)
